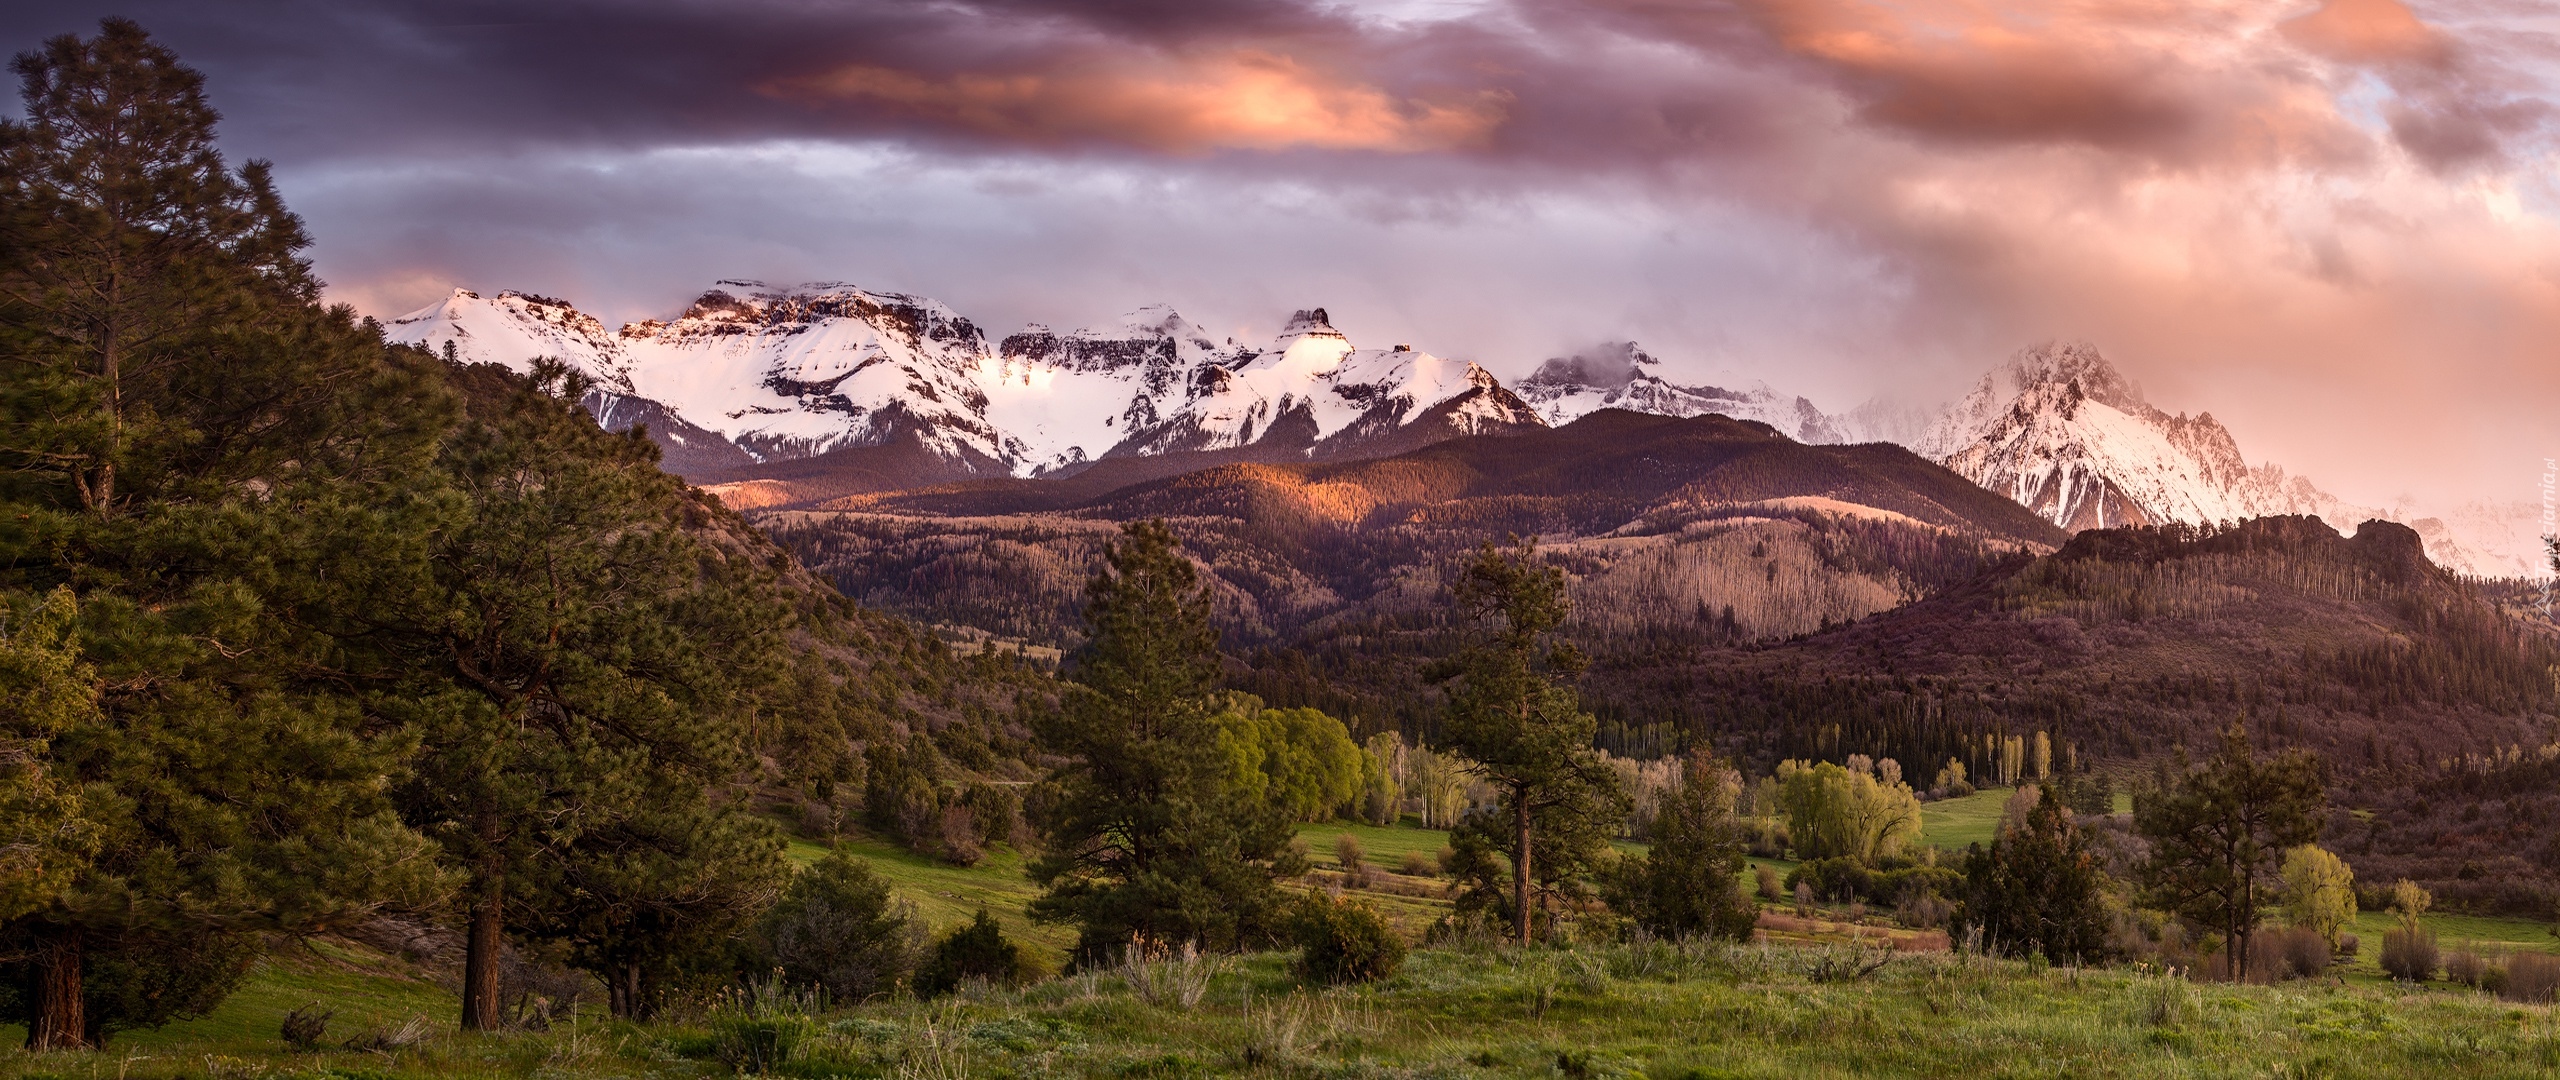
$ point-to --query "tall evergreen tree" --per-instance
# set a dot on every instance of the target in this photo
(189, 442)
(580, 670)
(1513, 711)
(2219, 832)
(1146, 836)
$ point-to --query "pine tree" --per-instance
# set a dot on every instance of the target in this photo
(579, 665)
(2218, 832)
(188, 439)
(2038, 888)
(1146, 837)
(1512, 710)
(49, 691)
(1689, 883)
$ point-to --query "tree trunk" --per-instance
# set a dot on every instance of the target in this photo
(1520, 866)
(627, 991)
(59, 1018)
(480, 957)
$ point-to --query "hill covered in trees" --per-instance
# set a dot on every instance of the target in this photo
(1699, 529)
(300, 630)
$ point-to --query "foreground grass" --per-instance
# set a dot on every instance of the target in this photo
(1612, 1011)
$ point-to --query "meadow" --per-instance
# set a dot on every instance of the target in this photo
(1790, 1005)
(1621, 1010)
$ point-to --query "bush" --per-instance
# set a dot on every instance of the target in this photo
(976, 951)
(1344, 941)
(2298, 952)
(2409, 956)
(1848, 880)
(2465, 967)
(835, 929)
(2349, 945)
(1833, 879)
(2532, 978)
(1767, 877)
(1417, 864)
(1346, 850)
(1927, 911)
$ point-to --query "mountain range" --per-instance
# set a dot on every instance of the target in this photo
(779, 397)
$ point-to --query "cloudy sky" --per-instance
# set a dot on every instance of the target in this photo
(2335, 226)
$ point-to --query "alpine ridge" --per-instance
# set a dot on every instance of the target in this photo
(793, 396)
(819, 371)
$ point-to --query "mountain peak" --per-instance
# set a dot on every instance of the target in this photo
(1308, 321)
(2071, 367)
(1609, 366)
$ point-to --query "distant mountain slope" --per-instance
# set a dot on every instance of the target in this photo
(1670, 517)
(2130, 643)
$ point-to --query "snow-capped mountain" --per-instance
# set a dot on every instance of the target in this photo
(786, 374)
(2058, 429)
(1613, 376)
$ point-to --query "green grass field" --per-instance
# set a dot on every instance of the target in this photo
(1741, 1012)
(1593, 1011)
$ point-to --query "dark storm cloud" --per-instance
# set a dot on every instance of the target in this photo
(1832, 193)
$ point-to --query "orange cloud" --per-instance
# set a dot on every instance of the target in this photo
(2184, 79)
(1239, 100)
(2368, 31)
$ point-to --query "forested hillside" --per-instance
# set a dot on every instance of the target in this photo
(1697, 529)
(300, 631)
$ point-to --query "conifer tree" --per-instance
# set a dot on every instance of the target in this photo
(187, 439)
(1146, 837)
(580, 666)
(2218, 832)
(1689, 883)
(1513, 712)
(2038, 888)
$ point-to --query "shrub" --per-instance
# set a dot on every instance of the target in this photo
(1346, 850)
(836, 929)
(2465, 967)
(976, 951)
(1344, 941)
(1168, 978)
(1927, 911)
(1767, 877)
(2348, 945)
(304, 1026)
(1417, 864)
(1804, 899)
(2298, 952)
(2532, 978)
(1832, 879)
(2409, 955)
